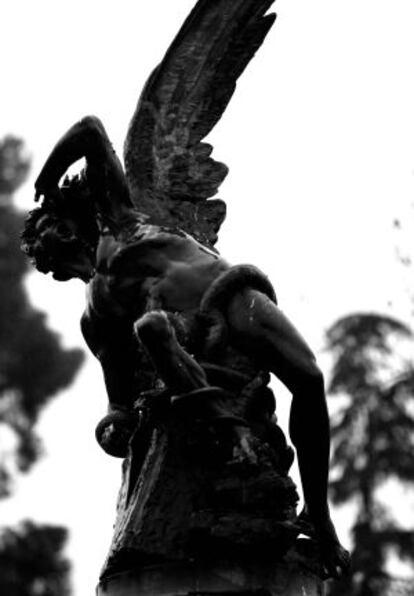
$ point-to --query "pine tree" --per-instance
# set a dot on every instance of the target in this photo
(33, 368)
(372, 442)
(33, 365)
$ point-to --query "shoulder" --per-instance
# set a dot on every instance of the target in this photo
(236, 280)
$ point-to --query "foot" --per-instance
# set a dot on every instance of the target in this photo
(334, 557)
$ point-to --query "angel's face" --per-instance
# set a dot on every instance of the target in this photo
(60, 250)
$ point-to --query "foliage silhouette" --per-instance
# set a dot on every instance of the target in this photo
(33, 368)
(33, 364)
(372, 443)
(31, 561)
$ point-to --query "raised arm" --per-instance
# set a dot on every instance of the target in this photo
(87, 138)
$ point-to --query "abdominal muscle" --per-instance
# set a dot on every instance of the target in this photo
(185, 283)
(172, 277)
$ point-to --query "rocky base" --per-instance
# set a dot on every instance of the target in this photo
(290, 577)
(178, 503)
(207, 507)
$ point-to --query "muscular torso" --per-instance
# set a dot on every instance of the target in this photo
(155, 269)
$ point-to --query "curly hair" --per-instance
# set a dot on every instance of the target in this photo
(72, 201)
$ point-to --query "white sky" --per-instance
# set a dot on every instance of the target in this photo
(319, 138)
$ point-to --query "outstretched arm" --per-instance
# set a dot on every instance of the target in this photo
(87, 138)
(260, 329)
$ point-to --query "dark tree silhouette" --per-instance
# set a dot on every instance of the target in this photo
(31, 561)
(33, 368)
(33, 364)
(372, 442)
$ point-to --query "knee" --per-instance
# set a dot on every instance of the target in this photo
(153, 327)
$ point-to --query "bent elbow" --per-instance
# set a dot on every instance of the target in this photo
(92, 124)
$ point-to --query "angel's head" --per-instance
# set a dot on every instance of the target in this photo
(62, 234)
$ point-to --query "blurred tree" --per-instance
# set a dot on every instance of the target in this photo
(372, 433)
(33, 364)
(31, 561)
(33, 368)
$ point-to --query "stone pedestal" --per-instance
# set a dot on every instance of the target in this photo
(208, 509)
(287, 578)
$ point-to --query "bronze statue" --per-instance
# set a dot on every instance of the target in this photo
(166, 315)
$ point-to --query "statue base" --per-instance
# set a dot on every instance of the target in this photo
(283, 578)
(207, 507)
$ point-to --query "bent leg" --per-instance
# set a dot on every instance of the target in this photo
(179, 371)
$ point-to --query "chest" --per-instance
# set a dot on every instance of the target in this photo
(122, 295)
(161, 272)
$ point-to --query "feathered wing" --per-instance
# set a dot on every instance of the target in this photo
(170, 171)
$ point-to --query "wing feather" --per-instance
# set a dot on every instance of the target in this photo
(169, 168)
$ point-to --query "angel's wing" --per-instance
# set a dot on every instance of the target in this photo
(169, 169)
